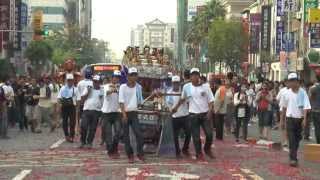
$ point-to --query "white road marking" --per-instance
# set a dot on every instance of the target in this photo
(22, 175)
(132, 172)
(251, 174)
(57, 144)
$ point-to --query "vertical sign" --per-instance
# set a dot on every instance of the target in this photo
(314, 35)
(255, 25)
(307, 5)
(265, 27)
(289, 5)
(280, 8)
(17, 35)
(4, 22)
(288, 44)
(280, 31)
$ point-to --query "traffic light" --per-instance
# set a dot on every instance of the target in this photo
(45, 31)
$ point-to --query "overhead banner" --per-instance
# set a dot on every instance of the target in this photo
(265, 27)
(255, 25)
(314, 15)
(280, 31)
(307, 5)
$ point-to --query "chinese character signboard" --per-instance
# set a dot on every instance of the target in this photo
(314, 15)
(314, 35)
(255, 25)
(289, 5)
(280, 31)
(4, 22)
(288, 42)
(17, 35)
(280, 8)
(265, 27)
(309, 4)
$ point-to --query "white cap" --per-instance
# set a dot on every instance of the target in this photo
(292, 76)
(96, 78)
(133, 70)
(194, 70)
(170, 74)
(69, 77)
(175, 79)
(116, 73)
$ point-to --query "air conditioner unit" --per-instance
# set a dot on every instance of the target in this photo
(298, 15)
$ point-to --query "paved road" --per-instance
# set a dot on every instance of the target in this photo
(26, 151)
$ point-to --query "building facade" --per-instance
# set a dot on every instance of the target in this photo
(85, 16)
(155, 34)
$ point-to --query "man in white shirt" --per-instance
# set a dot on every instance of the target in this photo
(180, 119)
(111, 115)
(69, 99)
(83, 84)
(280, 99)
(200, 100)
(296, 106)
(92, 98)
(130, 97)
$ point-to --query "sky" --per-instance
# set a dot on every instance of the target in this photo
(112, 20)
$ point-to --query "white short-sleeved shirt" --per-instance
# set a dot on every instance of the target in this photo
(128, 96)
(67, 92)
(281, 95)
(83, 84)
(94, 100)
(290, 101)
(43, 93)
(172, 101)
(198, 97)
(110, 102)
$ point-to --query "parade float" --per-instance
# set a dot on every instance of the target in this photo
(153, 67)
(69, 67)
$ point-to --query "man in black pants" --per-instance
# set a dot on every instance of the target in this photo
(314, 93)
(296, 105)
(130, 97)
(69, 98)
(200, 100)
(92, 98)
(111, 115)
(180, 119)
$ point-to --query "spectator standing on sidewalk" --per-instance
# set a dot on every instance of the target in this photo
(21, 104)
(10, 96)
(242, 113)
(32, 110)
(296, 106)
(314, 94)
(69, 99)
(264, 101)
(3, 114)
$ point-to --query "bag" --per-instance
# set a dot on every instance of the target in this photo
(263, 105)
(67, 102)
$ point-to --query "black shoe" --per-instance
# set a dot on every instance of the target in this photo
(186, 153)
(209, 154)
(141, 158)
(200, 157)
(82, 146)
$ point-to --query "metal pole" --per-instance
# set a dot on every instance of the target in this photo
(288, 40)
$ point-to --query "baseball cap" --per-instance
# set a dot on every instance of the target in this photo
(195, 70)
(69, 77)
(293, 76)
(96, 78)
(133, 70)
(116, 73)
(170, 74)
(175, 79)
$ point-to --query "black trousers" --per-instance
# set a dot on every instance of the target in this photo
(316, 122)
(294, 131)
(23, 121)
(244, 122)
(178, 124)
(134, 123)
(306, 130)
(68, 120)
(197, 121)
(219, 119)
(110, 120)
(89, 123)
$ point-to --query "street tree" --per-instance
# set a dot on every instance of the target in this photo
(227, 43)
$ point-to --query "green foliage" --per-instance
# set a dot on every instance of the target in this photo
(314, 56)
(38, 52)
(5, 69)
(227, 42)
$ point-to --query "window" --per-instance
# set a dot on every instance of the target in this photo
(49, 10)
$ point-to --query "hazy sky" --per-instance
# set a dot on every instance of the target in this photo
(113, 19)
